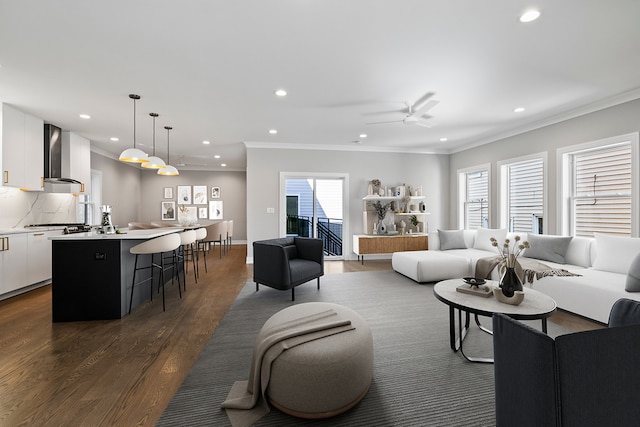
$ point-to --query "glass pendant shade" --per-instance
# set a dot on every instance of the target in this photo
(168, 170)
(154, 163)
(134, 155)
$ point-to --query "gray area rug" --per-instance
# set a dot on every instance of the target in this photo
(417, 379)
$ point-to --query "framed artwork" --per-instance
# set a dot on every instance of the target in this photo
(203, 213)
(168, 211)
(215, 210)
(187, 212)
(184, 194)
(199, 194)
(168, 192)
(215, 192)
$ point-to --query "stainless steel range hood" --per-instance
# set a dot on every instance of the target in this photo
(54, 182)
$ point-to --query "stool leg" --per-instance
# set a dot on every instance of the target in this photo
(162, 279)
(195, 266)
(135, 268)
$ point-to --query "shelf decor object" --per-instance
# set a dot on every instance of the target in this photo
(134, 155)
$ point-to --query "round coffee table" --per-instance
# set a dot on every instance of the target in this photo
(536, 305)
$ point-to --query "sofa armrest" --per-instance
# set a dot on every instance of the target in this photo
(310, 249)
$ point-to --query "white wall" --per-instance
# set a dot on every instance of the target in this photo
(613, 121)
(265, 164)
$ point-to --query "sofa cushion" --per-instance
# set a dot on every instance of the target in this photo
(451, 239)
(548, 248)
(633, 276)
(484, 235)
(615, 253)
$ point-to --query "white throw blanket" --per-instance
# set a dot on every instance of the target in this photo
(246, 401)
(528, 269)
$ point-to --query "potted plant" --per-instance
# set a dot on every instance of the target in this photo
(415, 222)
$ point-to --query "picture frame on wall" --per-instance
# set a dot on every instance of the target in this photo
(215, 210)
(184, 194)
(187, 212)
(168, 192)
(203, 213)
(168, 211)
(215, 192)
(199, 194)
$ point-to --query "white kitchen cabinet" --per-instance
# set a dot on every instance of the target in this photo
(22, 149)
(13, 262)
(76, 159)
(39, 256)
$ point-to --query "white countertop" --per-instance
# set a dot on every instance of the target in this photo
(125, 235)
(19, 230)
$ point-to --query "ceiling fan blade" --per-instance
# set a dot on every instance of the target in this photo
(382, 123)
(425, 123)
(419, 112)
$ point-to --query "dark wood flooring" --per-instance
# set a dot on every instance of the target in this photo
(124, 372)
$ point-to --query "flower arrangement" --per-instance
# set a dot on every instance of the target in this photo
(375, 183)
(510, 255)
(381, 209)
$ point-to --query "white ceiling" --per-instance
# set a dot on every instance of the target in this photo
(209, 69)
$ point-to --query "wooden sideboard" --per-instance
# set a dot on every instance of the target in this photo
(365, 244)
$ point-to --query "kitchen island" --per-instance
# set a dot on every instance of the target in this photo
(92, 274)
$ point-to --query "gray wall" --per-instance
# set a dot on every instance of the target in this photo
(233, 189)
(263, 182)
(618, 120)
(121, 188)
(135, 194)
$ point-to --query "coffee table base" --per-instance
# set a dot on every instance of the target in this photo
(457, 340)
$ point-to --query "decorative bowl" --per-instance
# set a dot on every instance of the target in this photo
(516, 299)
(474, 281)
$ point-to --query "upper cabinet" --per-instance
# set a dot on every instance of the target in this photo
(22, 149)
(76, 159)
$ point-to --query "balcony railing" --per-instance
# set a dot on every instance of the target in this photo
(328, 229)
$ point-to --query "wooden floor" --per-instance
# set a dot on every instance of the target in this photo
(124, 372)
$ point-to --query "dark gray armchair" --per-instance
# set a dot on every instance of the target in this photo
(581, 379)
(287, 262)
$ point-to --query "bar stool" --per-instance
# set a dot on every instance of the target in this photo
(201, 235)
(159, 245)
(186, 250)
(215, 233)
(229, 232)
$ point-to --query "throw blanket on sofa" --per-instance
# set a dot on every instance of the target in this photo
(246, 401)
(529, 270)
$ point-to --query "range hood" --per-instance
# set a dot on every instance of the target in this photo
(54, 182)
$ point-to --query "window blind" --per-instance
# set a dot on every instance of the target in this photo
(601, 197)
(476, 205)
(525, 199)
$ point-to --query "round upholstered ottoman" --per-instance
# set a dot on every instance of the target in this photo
(324, 377)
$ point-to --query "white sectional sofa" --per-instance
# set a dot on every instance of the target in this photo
(602, 263)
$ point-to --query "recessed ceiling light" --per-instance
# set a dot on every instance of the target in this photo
(217, 156)
(85, 116)
(114, 139)
(281, 92)
(363, 135)
(530, 15)
(518, 110)
(273, 131)
(444, 139)
(223, 165)
(206, 142)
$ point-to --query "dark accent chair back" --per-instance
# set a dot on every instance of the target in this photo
(581, 379)
(287, 262)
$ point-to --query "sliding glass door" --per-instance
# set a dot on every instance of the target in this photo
(314, 207)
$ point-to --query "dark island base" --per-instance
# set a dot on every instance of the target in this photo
(91, 279)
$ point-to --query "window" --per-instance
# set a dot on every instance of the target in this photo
(523, 194)
(474, 198)
(599, 187)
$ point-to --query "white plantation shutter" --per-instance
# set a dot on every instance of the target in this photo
(476, 204)
(525, 189)
(601, 199)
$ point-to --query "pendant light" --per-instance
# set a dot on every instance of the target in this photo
(154, 162)
(168, 170)
(134, 155)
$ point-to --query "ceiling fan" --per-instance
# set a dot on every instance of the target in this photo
(416, 113)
